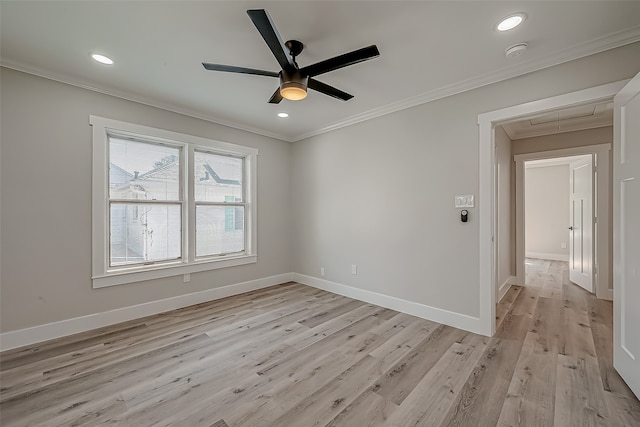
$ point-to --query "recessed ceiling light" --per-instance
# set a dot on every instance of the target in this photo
(283, 115)
(102, 59)
(511, 22)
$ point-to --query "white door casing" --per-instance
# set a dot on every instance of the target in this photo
(486, 206)
(581, 223)
(601, 155)
(626, 234)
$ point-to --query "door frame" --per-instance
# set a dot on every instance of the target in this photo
(601, 196)
(487, 217)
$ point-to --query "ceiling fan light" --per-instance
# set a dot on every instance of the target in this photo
(293, 86)
(293, 92)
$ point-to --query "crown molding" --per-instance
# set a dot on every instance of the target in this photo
(592, 47)
(601, 44)
(140, 99)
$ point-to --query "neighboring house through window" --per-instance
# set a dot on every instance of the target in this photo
(166, 203)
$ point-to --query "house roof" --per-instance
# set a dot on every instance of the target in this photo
(167, 171)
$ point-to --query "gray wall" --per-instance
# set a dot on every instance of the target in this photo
(546, 211)
(46, 203)
(580, 138)
(505, 182)
(380, 193)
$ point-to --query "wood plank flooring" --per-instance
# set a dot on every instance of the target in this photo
(292, 356)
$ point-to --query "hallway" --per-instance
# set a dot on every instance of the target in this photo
(564, 374)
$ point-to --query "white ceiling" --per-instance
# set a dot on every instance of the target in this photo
(590, 116)
(428, 50)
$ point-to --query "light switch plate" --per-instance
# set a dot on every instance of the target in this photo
(465, 201)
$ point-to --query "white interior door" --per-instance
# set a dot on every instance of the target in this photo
(581, 227)
(626, 234)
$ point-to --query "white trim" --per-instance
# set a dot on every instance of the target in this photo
(140, 99)
(456, 320)
(592, 47)
(607, 294)
(40, 333)
(486, 166)
(27, 336)
(548, 256)
(563, 153)
(171, 136)
(545, 163)
(169, 270)
(610, 41)
(601, 249)
(506, 285)
(624, 262)
(486, 225)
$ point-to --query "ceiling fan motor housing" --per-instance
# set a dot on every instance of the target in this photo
(293, 86)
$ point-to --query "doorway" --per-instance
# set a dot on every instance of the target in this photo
(487, 183)
(589, 244)
(559, 218)
(626, 96)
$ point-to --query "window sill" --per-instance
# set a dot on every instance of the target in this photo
(161, 271)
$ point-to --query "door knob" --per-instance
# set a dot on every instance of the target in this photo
(570, 228)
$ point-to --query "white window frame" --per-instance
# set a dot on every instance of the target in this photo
(102, 274)
(197, 203)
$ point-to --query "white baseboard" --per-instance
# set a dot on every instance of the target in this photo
(502, 290)
(549, 256)
(40, 333)
(457, 320)
(607, 294)
(27, 336)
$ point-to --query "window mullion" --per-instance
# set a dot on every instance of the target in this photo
(190, 206)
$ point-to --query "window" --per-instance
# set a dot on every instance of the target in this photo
(166, 204)
(220, 204)
(145, 202)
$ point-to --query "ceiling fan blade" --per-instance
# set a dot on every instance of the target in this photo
(276, 97)
(328, 90)
(341, 61)
(242, 70)
(267, 30)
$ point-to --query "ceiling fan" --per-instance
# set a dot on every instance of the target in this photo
(294, 80)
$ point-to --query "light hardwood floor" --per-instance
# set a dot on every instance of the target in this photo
(292, 356)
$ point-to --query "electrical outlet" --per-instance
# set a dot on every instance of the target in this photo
(322, 271)
(186, 277)
(563, 245)
(354, 269)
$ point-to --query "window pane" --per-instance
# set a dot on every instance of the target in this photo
(144, 232)
(217, 177)
(219, 230)
(142, 170)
